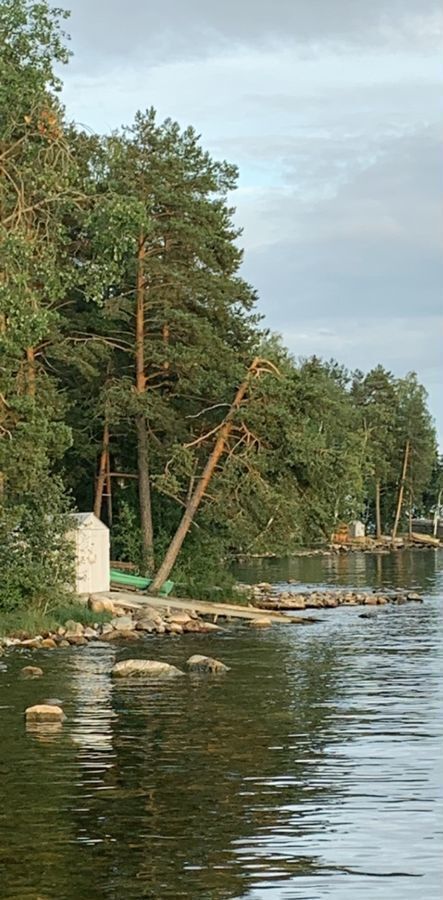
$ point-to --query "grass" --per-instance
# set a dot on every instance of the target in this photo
(35, 621)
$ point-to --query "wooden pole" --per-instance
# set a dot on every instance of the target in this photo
(401, 490)
(197, 495)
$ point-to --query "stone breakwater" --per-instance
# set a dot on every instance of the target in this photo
(125, 625)
(267, 596)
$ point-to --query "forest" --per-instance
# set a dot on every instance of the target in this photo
(138, 379)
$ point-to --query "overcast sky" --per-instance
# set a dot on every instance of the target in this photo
(332, 110)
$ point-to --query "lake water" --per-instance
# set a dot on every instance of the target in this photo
(313, 770)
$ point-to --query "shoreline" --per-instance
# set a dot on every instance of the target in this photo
(131, 618)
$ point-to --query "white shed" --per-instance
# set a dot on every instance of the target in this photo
(92, 562)
(357, 530)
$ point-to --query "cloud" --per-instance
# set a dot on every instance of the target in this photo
(331, 109)
(109, 29)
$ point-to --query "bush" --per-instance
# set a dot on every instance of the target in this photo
(36, 559)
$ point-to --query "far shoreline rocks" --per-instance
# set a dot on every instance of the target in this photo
(267, 597)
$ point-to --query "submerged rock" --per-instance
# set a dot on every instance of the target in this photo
(150, 668)
(199, 663)
(31, 672)
(44, 713)
(260, 622)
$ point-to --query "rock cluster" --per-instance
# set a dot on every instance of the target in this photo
(125, 625)
(266, 597)
(152, 668)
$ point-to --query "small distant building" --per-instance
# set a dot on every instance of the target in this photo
(92, 555)
(356, 530)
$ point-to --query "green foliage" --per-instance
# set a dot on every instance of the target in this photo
(36, 560)
(122, 302)
(35, 621)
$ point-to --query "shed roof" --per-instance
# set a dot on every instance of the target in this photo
(83, 519)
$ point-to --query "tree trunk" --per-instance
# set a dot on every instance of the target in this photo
(410, 514)
(401, 490)
(197, 495)
(109, 488)
(144, 484)
(377, 509)
(144, 493)
(102, 471)
(437, 513)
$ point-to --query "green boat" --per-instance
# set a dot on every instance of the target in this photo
(138, 582)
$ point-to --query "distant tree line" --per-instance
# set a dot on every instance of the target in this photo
(128, 332)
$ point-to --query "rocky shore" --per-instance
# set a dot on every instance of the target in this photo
(129, 624)
(125, 625)
(267, 597)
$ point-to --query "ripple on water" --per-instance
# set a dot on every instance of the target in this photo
(311, 771)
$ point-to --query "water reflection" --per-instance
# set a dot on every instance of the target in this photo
(310, 771)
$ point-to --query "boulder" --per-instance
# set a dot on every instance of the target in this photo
(48, 644)
(31, 672)
(145, 626)
(32, 643)
(44, 713)
(90, 633)
(123, 623)
(73, 629)
(147, 668)
(76, 640)
(207, 664)
(174, 628)
(260, 622)
(101, 604)
(129, 635)
(298, 602)
(414, 596)
(64, 643)
(179, 618)
(112, 635)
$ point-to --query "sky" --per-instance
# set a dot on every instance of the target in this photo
(332, 110)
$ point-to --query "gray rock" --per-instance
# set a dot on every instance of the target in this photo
(123, 623)
(90, 633)
(148, 668)
(207, 664)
